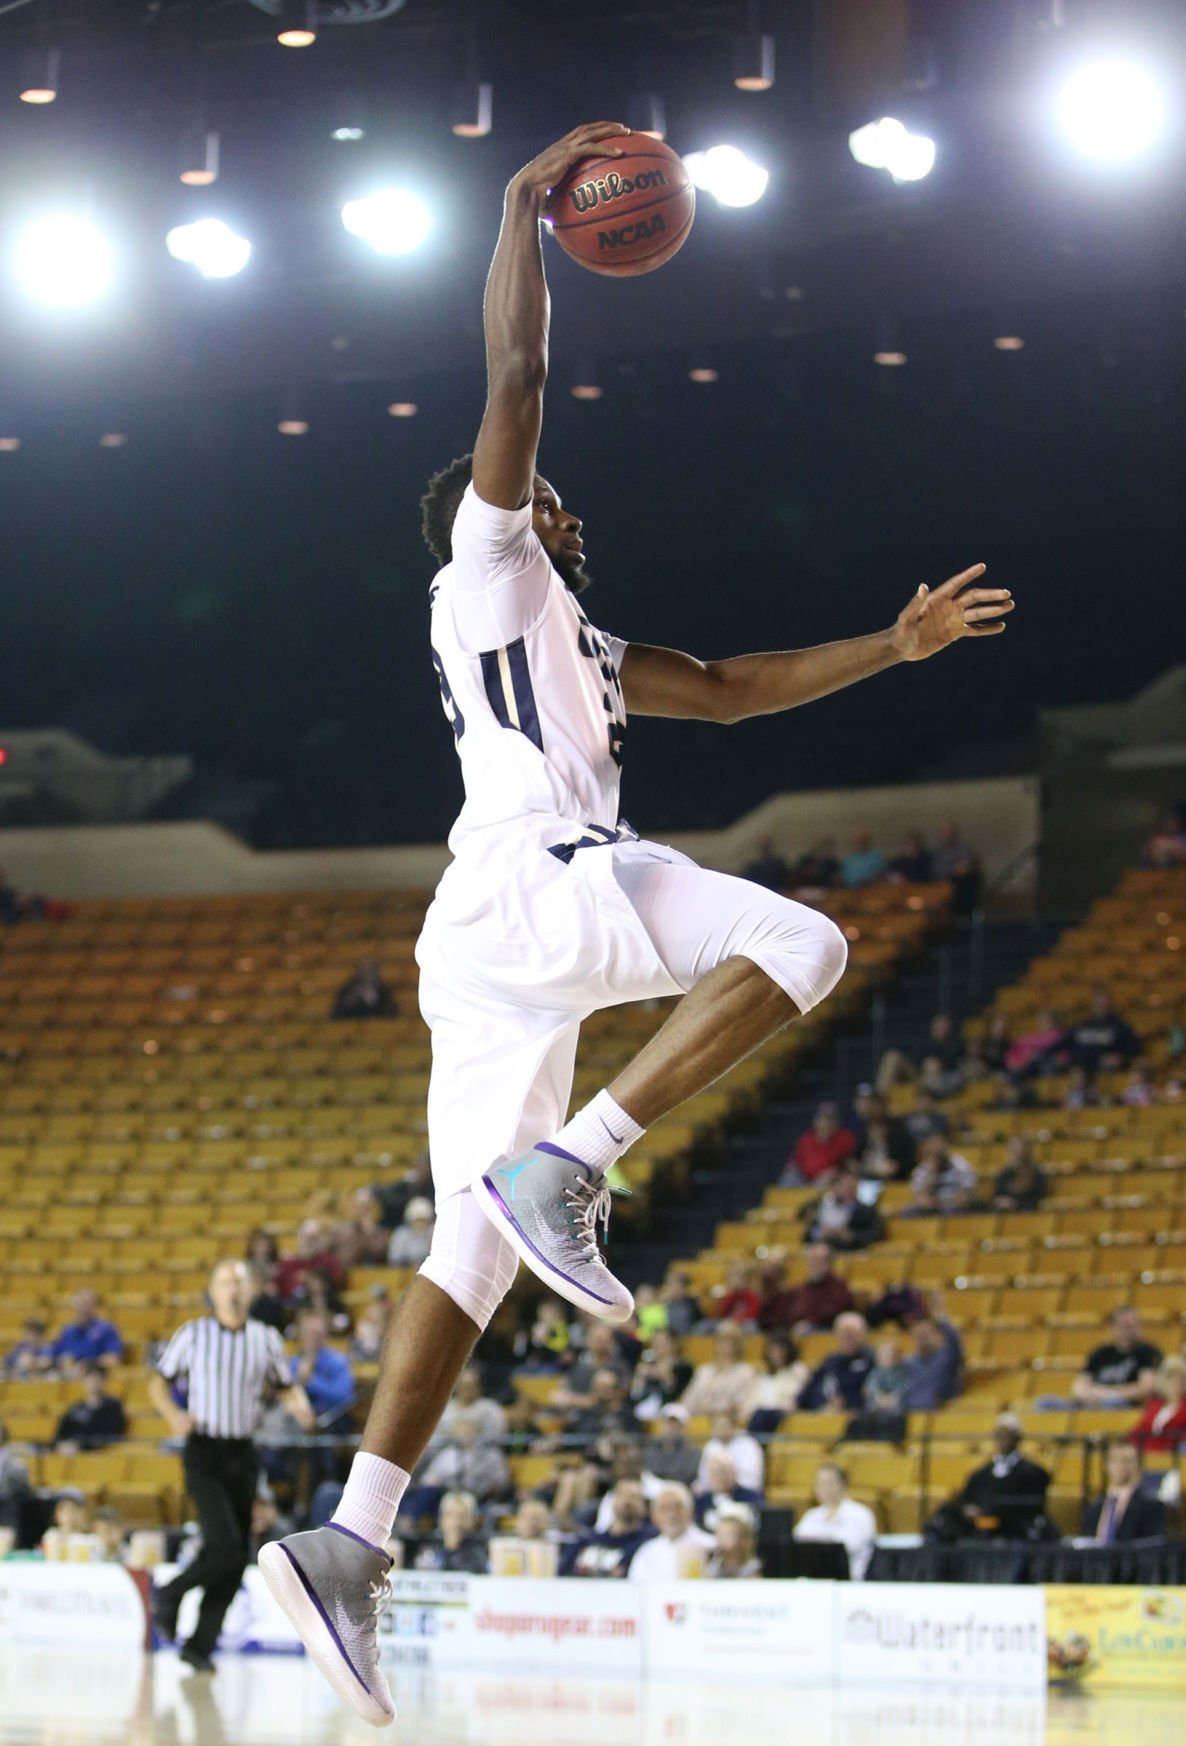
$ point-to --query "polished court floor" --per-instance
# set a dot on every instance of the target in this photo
(52, 1698)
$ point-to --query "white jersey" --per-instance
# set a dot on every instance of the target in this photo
(530, 689)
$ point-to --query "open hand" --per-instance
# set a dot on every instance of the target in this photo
(936, 617)
(593, 140)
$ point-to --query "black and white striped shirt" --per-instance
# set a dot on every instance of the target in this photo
(228, 1370)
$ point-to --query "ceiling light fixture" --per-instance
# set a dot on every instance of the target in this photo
(298, 24)
(39, 84)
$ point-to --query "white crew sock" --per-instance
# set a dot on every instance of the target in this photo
(599, 1133)
(371, 1498)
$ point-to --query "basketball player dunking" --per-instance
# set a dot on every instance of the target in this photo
(553, 909)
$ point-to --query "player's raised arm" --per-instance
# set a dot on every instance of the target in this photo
(515, 316)
(666, 682)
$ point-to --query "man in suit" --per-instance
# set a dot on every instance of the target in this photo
(1124, 1512)
(1006, 1497)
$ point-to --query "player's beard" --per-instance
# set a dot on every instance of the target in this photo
(573, 573)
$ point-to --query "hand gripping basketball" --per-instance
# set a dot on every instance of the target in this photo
(595, 139)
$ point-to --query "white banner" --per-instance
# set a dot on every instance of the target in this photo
(531, 1623)
(99, 1605)
(755, 1630)
(919, 1632)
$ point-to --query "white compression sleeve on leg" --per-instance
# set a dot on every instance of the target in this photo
(468, 1260)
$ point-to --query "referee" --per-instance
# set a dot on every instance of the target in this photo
(229, 1362)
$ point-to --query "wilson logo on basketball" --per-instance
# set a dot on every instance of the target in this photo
(586, 195)
(631, 233)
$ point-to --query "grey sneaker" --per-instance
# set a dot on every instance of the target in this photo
(547, 1205)
(333, 1586)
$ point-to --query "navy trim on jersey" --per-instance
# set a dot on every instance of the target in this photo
(509, 692)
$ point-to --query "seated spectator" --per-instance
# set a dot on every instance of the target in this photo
(71, 1515)
(871, 1120)
(469, 1401)
(768, 867)
(1123, 1371)
(609, 1551)
(412, 1240)
(608, 1411)
(778, 1387)
(313, 1259)
(543, 1347)
(719, 1489)
(1123, 1512)
(92, 1422)
(820, 1150)
(1162, 1425)
(533, 1521)
(267, 1523)
(817, 870)
(650, 1312)
(941, 1182)
(1014, 1095)
(863, 864)
(1167, 846)
(458, 1545)
(944, 1045)
(601, 1352)
(15, 1488)
(87, 1340)
(364, 995)
(839, 1518)
(1005, 1499)
(742, 1448)
(523, 1432)
(393, 1195)
(1079, 1092)
(740, 1300)
(912, 863)
(681, 1302)
(1138, 1093)
(1020, 1185)
(926, 1120)
(324, 1374)
(668, 1454)
(735, 1552)
(726, 1382)
(955, 862)
(1031, 1052)
(660, 1376)
(370, 1328)
(467, 1463)
(838, 1381)
(882, 1415)
(841, 1219)
(679, 1549)
(33, 1354)
(990, 1054)
(811, 1306)
(1102, 1042)
(361, 1239)
(935, 1367)
(110, 1531)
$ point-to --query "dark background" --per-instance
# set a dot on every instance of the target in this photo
(261, 603)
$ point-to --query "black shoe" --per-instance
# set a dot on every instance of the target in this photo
(195, 1659)
(165, 1608)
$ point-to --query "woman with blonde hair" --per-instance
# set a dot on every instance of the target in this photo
(1162, 1425)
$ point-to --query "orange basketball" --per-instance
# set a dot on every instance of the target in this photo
(624, 215)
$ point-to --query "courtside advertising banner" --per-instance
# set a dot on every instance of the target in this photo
(98, 1605)
(532, 1623)
(749, 1630)
(890, 1631)
(1104, 1637)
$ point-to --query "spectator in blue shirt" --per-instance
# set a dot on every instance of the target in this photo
(934, 1368)
(87, 1340)
(863, 863)
(838, 1382)
(33, 1354)
(325, 1375)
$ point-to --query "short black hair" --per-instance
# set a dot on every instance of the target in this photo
(440, 503)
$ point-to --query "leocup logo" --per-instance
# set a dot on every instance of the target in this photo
(675, 1612)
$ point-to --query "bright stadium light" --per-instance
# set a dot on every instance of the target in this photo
(393, 221)
(727, 174)
(63, 260)
(211, 246)
(888, 145)
(1112, 110)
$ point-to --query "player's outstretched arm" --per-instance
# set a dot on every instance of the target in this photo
(665, 682)
(515, 316)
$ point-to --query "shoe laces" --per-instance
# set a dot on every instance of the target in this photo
(379, 1594)
(589, 1203)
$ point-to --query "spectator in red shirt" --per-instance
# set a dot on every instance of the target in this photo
(820, 1150)
(1162, 1425)
(815, 1304)
(315, 1257)
(741, 1301)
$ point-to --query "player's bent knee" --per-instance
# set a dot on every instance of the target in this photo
(807, 958)
(833, 956)
(469, 1261)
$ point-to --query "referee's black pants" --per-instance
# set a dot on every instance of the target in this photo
(221, 1474)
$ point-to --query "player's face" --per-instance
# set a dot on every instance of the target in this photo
(559, 532)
